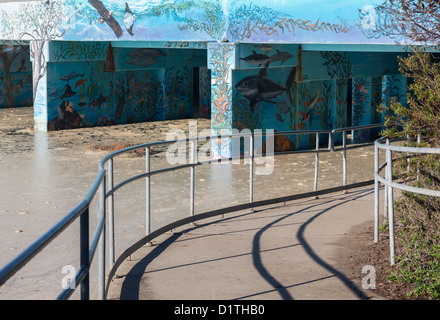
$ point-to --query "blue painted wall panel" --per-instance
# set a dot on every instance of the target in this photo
(317, 21)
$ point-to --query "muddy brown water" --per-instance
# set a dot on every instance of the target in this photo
(44, 175)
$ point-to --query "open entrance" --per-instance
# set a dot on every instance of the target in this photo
(202, 92)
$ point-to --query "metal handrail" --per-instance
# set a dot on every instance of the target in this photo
(106, 215)
(390, 185)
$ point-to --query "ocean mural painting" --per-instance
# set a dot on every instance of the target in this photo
(15, 75)
(281, 65)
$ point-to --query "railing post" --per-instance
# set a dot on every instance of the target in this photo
(101, 264)
(390, 205)
(251, 168)
(147, 191)
(407, 154)
(418, 145)
(330, 141)
(84, 253)
(385, 198)
(192, 191)
(316, 162)
(344, 158)
(376, 194)
(111, 214)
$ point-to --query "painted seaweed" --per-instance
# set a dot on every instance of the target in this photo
(243, 118)
(73, 50)
(248, 20)
(360, 100)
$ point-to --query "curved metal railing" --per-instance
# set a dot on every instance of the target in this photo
(390, 185)
(106, 193)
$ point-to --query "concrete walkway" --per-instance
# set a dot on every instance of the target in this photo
(278, 252)
(281, 252)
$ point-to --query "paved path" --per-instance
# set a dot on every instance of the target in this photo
(278, 252)
(47, 174)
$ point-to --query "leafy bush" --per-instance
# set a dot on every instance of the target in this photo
(418, 216)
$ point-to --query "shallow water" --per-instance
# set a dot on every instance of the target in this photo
(46, 174)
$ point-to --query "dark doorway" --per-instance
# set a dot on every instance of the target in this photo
(196, 91)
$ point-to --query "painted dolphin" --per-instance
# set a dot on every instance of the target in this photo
(256, 59)
(280, 56)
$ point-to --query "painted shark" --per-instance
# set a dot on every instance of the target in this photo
(259, 88)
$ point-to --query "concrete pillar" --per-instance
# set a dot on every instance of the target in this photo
(221, 62)
(361, 106)
(39, 58)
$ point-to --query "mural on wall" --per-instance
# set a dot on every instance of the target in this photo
(261, 22)
(255, 90)
(188, 20)
(322, 90)
(379, 24)
(220, 60)
(260, 88)
(79, 99)
(15, 75)
(266, 88)
(138, 85)
(206, 20)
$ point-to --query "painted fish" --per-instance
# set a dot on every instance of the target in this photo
(129, 19)
(291, 79)
(67, 92)
(56, 93)
(71, 76)
(279, 118)
(121, 104)
(280, 56)
(97, 102)
(264, 47)
(257, 59)
(141, 87)
(259, 88)
(282, 107)
(145, 56)
(315, 99)
(151, 52)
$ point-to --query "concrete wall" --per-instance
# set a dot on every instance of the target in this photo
(282, 65)
(94, 84)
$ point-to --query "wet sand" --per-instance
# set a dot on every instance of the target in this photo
(45, 175)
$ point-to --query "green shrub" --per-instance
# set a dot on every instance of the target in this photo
(418, 216)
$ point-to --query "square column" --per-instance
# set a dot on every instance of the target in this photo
(39, 56)
(221, 62)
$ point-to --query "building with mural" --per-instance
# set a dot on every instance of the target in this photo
(272, 64)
